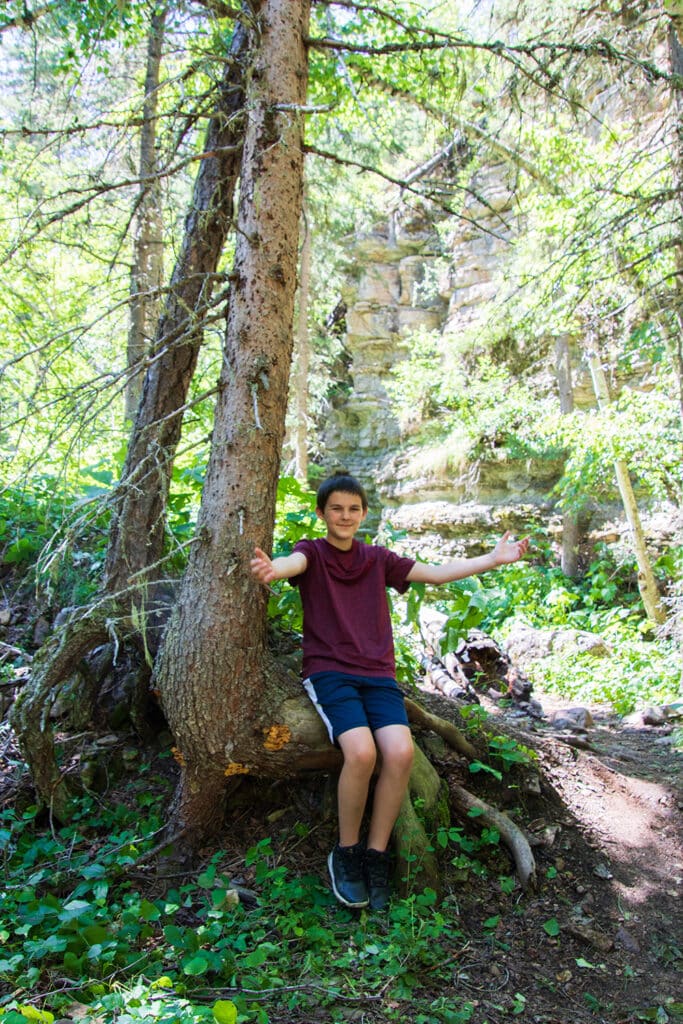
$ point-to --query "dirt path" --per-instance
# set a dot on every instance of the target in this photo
(611, 888)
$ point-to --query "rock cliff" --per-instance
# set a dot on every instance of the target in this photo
(410, 276)
(418, 272)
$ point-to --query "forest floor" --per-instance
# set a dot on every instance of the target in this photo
(600, 938)
(616, 896)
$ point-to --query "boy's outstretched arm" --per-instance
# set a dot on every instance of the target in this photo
(266, 569)
(505, 551)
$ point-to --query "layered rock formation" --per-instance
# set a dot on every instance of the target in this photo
(408, 279)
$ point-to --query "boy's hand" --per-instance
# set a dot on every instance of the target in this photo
(507, 550)
(262, 567)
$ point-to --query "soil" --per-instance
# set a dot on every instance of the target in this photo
(600, 938)
(616, 897)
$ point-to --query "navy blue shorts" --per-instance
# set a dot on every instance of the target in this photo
(346, 701)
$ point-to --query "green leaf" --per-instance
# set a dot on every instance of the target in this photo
(22, 550)
(259, 955)
(148, 911)
(73, 964)
(225, 1012)
(74, 909)
(33, 1013)
(10, 964)
(479, 766)
(551, 927)
(163, 982)
(207, 878)
(44, 947)
(197, 965)
(93, 871)
(177, 937)
(95, 933)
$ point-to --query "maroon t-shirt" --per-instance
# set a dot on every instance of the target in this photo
(347, 627)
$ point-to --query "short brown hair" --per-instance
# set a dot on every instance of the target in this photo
(340, 481)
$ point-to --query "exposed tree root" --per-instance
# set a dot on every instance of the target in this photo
(309, 750)
(417, 865)
(54, 664)
(512, 836)
(446, 730)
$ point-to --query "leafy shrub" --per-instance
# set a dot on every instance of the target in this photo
(55, 536)
(73, 926)
(637, 672)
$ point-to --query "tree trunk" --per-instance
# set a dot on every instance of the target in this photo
(148, 264)
(647, 585)
(676, 344)
(302, 355)
(676, 64)
(30, 715)
(137, 530)
(212, 667)
(570, 521)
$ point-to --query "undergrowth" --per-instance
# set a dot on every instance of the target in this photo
(81, 937)
(633, 666)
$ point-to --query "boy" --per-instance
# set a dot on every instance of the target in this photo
(349, 670)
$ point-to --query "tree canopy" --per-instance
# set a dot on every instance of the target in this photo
(162, 167)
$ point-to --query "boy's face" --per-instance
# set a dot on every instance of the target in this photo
(342, 515)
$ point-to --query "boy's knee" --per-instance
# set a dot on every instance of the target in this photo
(361, 754)
(401, 755)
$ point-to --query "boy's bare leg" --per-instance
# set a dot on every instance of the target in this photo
(360, 754)
(395, 743)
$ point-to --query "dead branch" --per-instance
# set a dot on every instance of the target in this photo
(7, 650)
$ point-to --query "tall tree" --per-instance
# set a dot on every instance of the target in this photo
(136, 537)
(570, 520)
(647, 584)
(302, 353)
(137, 530)
(148, 263)
(215, 642)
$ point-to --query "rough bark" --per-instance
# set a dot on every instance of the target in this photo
(137, 531)
(647, 584)
(303, 355)
(30, 716)
(413, 837)
(215, 643)
(148, 263)
(676, 337)
(676, 64)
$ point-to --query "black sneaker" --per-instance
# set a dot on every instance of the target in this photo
(345, 865)
(377, 877)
